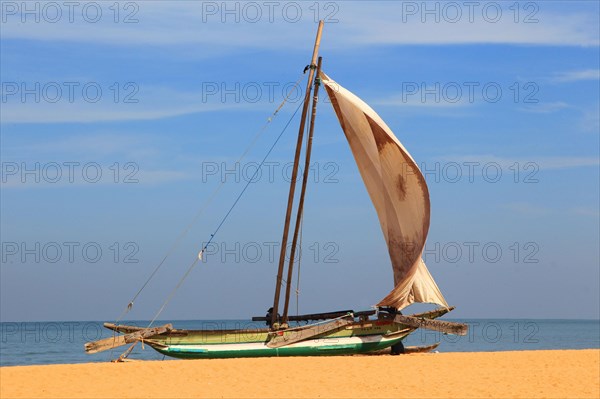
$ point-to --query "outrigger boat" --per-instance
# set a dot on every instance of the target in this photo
(400, 196)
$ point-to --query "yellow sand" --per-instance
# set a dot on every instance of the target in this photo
(530, 374)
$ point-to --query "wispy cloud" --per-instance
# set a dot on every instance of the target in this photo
(529, 209)
(153, 103)
(585, 211)
(179, 23)
(89, 159)
(142, 177)
(576, 76)
(541, 162)
(81, 113)
(94, 144)
(545, 108)
(590, 119)
(418, 99)
(376, 25)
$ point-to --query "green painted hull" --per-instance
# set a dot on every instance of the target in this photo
(360, 335)
(333, 350)
(354, 339)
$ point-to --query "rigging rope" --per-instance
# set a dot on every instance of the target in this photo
(308, 117)
(212, 236)
(207, 202)
(299, 263)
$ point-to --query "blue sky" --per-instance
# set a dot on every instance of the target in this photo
(469, 92)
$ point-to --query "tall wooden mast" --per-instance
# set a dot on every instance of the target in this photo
(290, 204)
(311, 129)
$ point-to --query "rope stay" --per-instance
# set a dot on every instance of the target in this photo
(212, 236)
(308, 118)
(299, 264)
(205, 205)
(301, 221)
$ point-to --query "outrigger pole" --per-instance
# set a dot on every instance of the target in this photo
(290, 203)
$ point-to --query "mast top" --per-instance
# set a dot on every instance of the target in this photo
(286, 226)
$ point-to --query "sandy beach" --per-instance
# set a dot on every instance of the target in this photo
(531, 374)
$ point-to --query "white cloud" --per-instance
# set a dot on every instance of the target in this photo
(393, 25)
(530, 209)
(590, 119)
(141, 177)
(576, 76)
(95, 144)
(47, 113)
(153, 103)
(421, 100)
(585, 211)
(90, 159)
(545, 108)
(539, 162)
(181, 23)
(527, 208)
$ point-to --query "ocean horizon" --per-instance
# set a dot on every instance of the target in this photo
(58, 342)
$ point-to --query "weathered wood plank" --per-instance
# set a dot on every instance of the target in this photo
(433, 314)
(105, 344)
(122, 328)
(317, 316)
(120, 340)
(407, 350)
(420, 349)
(287, 337)
(448, 327)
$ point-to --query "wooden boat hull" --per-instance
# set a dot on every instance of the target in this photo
(356, 338)
(314, 347)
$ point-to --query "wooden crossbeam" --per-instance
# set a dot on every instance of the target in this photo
(122, 328)
(120, 340)
(319, 316)
(448, 327)
(287, 337)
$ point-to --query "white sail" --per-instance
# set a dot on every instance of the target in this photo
(398, 191)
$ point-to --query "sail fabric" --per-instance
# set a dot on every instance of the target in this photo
(398, 191)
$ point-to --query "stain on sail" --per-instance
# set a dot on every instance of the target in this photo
(398, 191)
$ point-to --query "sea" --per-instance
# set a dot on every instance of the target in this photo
(28, 343)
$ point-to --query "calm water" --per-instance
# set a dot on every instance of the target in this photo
(62, 342)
